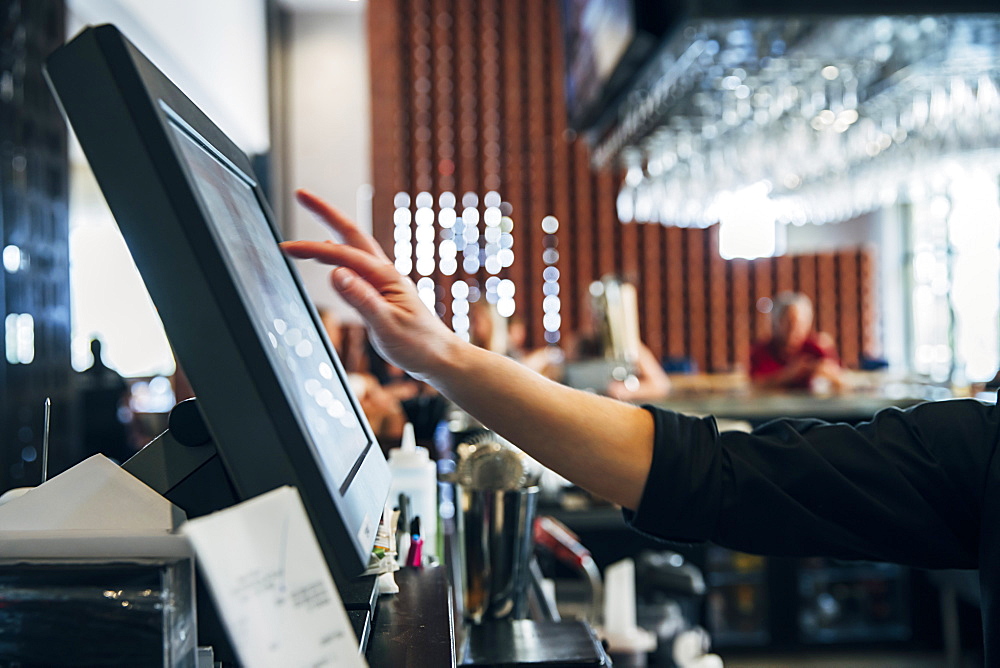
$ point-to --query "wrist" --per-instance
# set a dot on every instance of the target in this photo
(452, 360)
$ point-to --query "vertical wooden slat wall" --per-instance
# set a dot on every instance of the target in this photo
(390, 156)
(741, 308)
(535, 48)
(652, 302)
(868, 326)
(719, 313)
(451, 149)
(676, 321)
(847, 316)
(560, 176)
(762, 288)
(582, 239)
(468, 97)
(515, 171)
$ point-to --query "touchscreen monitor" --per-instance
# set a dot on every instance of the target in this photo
(270, 386)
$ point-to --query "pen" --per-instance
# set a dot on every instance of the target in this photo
(403, 530)
(416, 556)
(45, 439)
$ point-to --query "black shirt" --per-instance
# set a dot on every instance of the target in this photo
(917, 487)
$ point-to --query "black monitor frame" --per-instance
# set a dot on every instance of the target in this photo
(120, 105)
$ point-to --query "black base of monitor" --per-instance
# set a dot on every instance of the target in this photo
(182, 465)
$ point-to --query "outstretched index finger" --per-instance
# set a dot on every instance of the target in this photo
(341, 224)
(377, 271)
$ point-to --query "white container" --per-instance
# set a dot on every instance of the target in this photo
(414, 473)
(628, 643)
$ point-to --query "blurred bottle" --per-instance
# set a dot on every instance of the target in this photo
(414, 474)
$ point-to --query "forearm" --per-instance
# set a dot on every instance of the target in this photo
(601, 444)
(598, 443)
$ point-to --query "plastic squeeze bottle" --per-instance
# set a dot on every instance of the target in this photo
(414, 473)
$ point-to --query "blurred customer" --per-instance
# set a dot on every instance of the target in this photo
(384, 411)
(332, 326)
(388, 396)
(104, 409)
(422, 405)
(487, 328)
(795, 357)
(608, 344)
(649, 381)
(549, 360)
(509, 336)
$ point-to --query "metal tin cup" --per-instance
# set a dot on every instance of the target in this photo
(497, 540)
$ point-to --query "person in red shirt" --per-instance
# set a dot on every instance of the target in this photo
(795, 357)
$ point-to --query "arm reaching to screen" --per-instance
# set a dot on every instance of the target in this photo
(601, 444)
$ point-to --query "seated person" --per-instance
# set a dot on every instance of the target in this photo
(104, 405)
(795, 357)
(648, 383)
(546, 360)
(420, 403)
(487, 328)
(647, 380)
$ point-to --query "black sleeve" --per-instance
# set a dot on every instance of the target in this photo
(906, 487)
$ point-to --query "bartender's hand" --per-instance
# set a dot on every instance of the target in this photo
(601, 444)
(401, 327)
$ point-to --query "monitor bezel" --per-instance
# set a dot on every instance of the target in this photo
(114, 99)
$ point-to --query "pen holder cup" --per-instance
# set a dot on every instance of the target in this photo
(497, 545)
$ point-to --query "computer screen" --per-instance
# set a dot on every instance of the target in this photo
(294, 345)
(273, 393)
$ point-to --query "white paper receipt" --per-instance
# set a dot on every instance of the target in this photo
(271, 584)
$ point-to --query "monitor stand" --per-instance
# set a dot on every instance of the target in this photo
(183, 465)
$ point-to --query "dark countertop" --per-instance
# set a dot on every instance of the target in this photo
(416, 627)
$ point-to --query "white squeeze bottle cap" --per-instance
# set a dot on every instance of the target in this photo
(414, 473)
(408, 454)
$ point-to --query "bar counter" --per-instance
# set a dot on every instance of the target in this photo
(416, 627)
(759, 408)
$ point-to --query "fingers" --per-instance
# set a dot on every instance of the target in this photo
(378, 271)
(342, 225)
(358, 293)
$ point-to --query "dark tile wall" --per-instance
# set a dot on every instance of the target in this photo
(34, 280)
